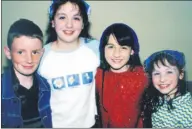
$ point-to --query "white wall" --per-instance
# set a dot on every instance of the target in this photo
(158, 24)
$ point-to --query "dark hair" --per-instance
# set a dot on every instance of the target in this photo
(23, 27)
(124, 35)
(152, 99)
(51, 33)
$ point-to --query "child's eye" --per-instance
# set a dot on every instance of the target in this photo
(124, 47)
(156, 73)
(77, 18)
(109, 46)
(61, 17)
(20, 52)
(35, 52)
(169, 72)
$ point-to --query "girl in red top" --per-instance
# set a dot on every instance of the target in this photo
(120, 79)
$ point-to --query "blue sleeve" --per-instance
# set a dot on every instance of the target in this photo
(94, 45)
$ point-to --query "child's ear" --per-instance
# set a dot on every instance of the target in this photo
(181, 75)
(7, 52)
(132, 52)
(52, 24)
(42, 51)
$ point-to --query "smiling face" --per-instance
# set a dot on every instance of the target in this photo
(68, 23)
(117, 56)
(165, 78)
(25, 54)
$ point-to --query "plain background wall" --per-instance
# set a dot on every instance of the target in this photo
(158, 24)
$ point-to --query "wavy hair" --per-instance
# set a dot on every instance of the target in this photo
(50, 31)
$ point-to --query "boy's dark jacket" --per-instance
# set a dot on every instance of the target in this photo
(11, 105)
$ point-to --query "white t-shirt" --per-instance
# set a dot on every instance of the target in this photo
(71, 76)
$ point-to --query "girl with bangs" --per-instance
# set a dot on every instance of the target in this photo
(166, 102)
(120, 79)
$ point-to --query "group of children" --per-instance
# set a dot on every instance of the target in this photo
(74, 68)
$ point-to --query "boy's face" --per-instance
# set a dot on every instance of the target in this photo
(25, 54)
(165, 78)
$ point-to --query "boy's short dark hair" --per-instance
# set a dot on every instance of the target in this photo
(23, 27)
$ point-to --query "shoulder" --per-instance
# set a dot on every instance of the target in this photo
(47, 49)
(6, 75)
(89, 41)
(99, 72)
(139, 71)
(39, 77)
(139, 74)
(184, 108)
(185, 100)
(183, 104)
(92, 44)
(99, 77)
(47, 46)
(43, 84)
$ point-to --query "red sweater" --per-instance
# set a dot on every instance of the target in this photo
(121, 95)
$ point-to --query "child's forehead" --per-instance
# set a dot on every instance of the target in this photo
(163, 64)
(26, 42)
(68, 7)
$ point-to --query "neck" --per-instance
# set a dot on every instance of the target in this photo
(172, 95)
(25, 81)
(65, 46)
(121, 70)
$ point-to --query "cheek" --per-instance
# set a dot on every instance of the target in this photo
(155, 80)
(175, 79)
(127, 56)
(155, 84)
(108, 53)
(58, 25)
(36, 58)
(78, 25)
(17, 59)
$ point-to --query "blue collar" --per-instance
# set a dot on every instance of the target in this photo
(7, 84)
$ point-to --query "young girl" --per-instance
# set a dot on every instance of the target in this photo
(120, 79)
(69, 64)
(166, 102)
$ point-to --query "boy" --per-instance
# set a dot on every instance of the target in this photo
(25, 94)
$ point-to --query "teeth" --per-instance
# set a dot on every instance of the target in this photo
(163, 85)
(117, 60)
(68, 32)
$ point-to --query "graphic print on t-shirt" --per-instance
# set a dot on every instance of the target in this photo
(58, 83)
(87, 77)
(73, 80)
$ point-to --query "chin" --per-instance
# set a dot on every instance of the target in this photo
(27, 73)
(164, 92)
(116, 67)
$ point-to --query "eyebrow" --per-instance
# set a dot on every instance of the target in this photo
(38, 49)
(60, 14)
(77, 14)
(20, 49)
